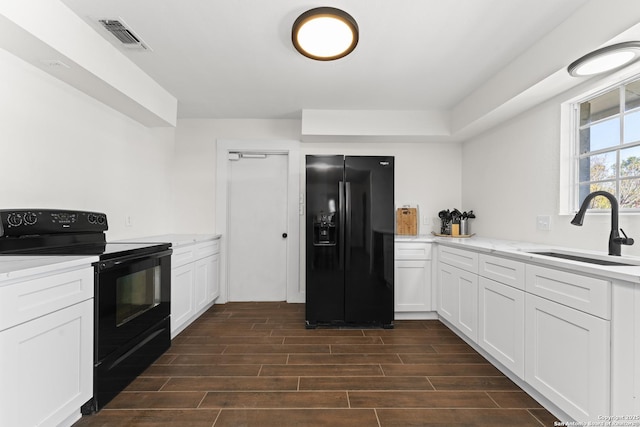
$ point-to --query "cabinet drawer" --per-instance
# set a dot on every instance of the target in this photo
(583, 293)
(27, 300)
(183, 255)
(206, 249)
(502, 270)
(409, 251)
(466, 260)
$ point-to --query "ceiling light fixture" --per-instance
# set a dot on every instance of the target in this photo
(605, 59)
(325, 34)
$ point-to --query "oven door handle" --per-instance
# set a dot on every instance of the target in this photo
(105, 265)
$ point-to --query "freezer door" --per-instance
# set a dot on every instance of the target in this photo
(324, 239)
(369, 239)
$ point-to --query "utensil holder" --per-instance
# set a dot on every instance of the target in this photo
(464, 227)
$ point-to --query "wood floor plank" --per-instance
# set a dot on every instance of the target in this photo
(332, 340)
(473, 383)
(297, 417)
(365, 383)
(231, 384)
(514, 399)
(420, 399)
(201, 370)
(224, 340)
(456, 417)
(337, 359)
(444, 369)
(320, 370)
(156, 400)
(439, 358)
(276, 399)
(151, 418)
(230, 359)
(272, 348)
(421, 340)
(381, 348)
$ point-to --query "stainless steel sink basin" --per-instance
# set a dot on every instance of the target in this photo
(580, 258)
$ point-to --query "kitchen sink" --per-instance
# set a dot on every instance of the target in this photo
(580, 258)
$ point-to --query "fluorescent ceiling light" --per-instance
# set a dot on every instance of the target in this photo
(605, 59)
(325, 34)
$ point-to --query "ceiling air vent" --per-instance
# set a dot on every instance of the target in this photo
(120, 31)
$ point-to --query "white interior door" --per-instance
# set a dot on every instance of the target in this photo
(257, 219)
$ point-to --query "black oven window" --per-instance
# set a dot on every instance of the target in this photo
(136, 293)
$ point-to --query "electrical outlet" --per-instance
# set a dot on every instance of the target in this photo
(425, 220)
(128, 221)
(543, 222)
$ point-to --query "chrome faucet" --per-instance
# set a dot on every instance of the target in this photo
(615, 241)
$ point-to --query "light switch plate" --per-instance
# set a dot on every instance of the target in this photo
(543, 222)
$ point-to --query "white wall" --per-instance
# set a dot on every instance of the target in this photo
(63, 149)
(511, 174)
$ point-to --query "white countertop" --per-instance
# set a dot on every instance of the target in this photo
(520, 251)
(14, 267)
(421, 238)
(176, 240)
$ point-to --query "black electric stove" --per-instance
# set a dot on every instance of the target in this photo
(132, 289)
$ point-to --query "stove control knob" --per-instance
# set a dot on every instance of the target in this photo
(30, 218)
(14, 219)
(91, 218)
(102, 219)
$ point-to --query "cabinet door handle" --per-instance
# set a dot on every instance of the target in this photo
(284, 235)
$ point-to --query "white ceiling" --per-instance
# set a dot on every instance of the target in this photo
(234, 58)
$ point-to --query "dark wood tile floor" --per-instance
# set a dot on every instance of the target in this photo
(254, 364)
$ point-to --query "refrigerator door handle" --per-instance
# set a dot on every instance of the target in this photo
(347, 230)
(341, 223)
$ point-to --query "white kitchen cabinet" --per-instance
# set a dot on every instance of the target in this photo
(183, 305)
(213, 282)
(412, 290)
(194, 282)
(46, 337)
(501, 323)
(458, 298)
(206, 281)
(568, 357)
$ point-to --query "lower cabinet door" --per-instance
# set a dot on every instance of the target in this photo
(213, 290)
(458, 298)
(205, 274)
(501, 323)
(46, 367)
(568, 357)
(447, 292)
(182, 297)
(411, 286)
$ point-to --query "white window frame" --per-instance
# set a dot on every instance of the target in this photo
(569, 138)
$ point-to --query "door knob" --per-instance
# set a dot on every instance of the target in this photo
(284, 235)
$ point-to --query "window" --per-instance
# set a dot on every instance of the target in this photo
(607, 152)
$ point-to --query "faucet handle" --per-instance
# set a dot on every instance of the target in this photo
(626, 240)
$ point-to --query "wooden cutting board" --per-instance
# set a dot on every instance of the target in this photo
(407, 221)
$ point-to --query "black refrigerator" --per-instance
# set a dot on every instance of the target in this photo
(349, 240)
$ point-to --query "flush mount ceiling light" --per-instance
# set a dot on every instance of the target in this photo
(605, 59)
(325, 34)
